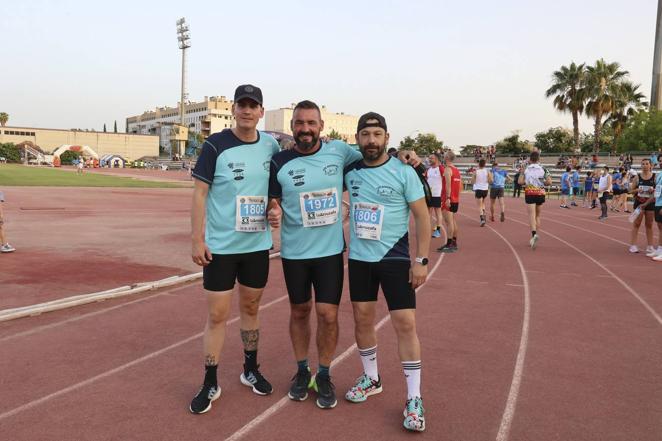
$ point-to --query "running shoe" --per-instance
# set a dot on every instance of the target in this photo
(254, 379)
(658, 258)
(446, 249)
(633, 249)
(563, 206)
(436, 233)
(652, 253)
(533, 241)
(6, 248)
(414, 415)
(326, 392)
(573, 204)
(503, 217)
(491, 218)
(482, 221)
(201, 403)
(602, 217)
(364, 387)
(300, 384)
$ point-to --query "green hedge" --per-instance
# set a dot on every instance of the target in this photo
(68, 157)
(10, 152)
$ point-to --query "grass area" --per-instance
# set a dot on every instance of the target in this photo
(24, 176)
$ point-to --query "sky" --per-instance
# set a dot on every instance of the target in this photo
(470, 72)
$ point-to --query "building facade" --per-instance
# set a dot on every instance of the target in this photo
(279, 121)
(211, 115)
(129, 146)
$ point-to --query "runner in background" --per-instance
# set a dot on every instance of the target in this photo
(535, 178)
(643, 188)
(604, 191)
(575, 184)
(4, 245)
(588, 190)
(565, 187)
(434, 176)
(450, 202)
(499, 179)
(481, 179)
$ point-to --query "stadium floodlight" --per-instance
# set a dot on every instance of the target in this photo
(183, 42)
(656, 89)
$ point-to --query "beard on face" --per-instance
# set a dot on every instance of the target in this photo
(306, 145)
(374, 153)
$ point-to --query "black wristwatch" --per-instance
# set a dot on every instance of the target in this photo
(422, 260)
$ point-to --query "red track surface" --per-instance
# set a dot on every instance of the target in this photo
(559, 343)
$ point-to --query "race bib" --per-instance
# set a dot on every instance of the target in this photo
(319, 208)
(658, 190)
(368, 220)
(251, 212)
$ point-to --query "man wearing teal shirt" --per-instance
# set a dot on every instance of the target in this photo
(499, 179)
(231, 238)
(383, 192)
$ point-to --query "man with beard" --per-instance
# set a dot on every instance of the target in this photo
(307, 183)
(384, 192)
(230, 238)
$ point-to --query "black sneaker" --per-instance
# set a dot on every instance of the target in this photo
(254, 379)
(299, 389)
(201, 403)
(326, 392)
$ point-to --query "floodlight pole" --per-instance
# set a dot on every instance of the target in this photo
(656, 89)
(184, 40)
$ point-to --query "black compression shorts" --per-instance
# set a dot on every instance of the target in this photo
(249, 269)
(325, 274)
(365, 279)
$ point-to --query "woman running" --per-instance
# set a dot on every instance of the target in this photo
(643, 188)
(481, 180)
(605, 188)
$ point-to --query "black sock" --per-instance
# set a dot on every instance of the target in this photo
(210, 375)
(449, 241)
(533, 233)
(438, 228)
(250, 360)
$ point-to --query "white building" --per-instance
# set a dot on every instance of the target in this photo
(205, 117)
(279, 121)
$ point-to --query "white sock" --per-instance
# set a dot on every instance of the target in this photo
(369, 360)
(413, 375)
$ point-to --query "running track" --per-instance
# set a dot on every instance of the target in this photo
(560, 343)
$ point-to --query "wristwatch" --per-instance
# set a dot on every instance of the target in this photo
(422, 260)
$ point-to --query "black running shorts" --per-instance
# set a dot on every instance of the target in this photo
(658, 213)
(496, 192)
(480, 194)
(249, 269)
(325, 274)
(365, 279)
(534, 199)
(435, 202)
(637, 202)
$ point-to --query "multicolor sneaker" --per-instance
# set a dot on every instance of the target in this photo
(301, 382)
(364, 387)
(201, 403)
(533, 241)
(414, 415)
(436, 233)
(254, 379)
(326, 392)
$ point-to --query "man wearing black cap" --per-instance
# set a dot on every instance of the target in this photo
(231, 238)
(383, 193)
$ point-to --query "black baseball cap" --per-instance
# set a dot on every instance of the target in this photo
(363, 121)
(248, 91)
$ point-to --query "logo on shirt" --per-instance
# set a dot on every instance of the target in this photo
(238, 169)
(330, 170)
(386, 191)
(266, 164)
(298, 176)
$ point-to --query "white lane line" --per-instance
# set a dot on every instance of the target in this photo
(589, 220)
(513, 393)
(118, 369)
(519, 285)
(643, 302)
(285, 400)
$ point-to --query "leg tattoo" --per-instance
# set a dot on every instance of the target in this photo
(250, 338)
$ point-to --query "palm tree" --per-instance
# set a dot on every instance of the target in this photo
(628, 102)
(4, 117)
(567, 85)
(603, 83)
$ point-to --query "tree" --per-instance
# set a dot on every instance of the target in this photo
(628, 102)
(468, 150)
(513, 145)
(10, 152)
(104, 127)
(603, 81)
(115, 129)
(643, 132)
(68, 157)
(424, 144)
(555, 140)
(569, 93)
(333, 134)
(4, 117)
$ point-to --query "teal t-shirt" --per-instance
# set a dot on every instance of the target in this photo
(238, 176)
(499, 178)
(310, 187)
(658, 190)
(379, 202)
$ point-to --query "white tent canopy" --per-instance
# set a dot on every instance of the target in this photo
(84, 150)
